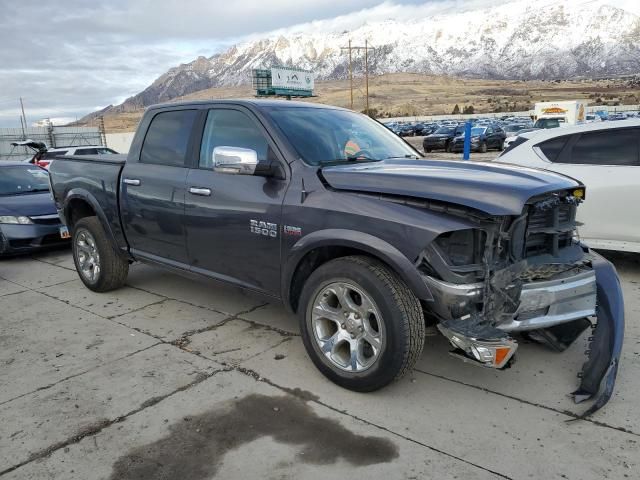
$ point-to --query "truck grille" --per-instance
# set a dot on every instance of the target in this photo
(549, 229)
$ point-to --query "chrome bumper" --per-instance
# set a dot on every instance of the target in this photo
(542, 304)
(549, 303)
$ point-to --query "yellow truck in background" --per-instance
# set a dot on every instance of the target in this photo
(559, 114)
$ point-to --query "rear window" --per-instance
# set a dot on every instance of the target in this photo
(16, 180)
(606, 147)
(49, 155)
(86, 151)
(168, 137)
(552, 147)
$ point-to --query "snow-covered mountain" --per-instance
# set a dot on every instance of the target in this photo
(517, 40)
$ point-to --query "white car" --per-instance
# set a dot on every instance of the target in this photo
(44, 158)
(605, 157)
(513, 136)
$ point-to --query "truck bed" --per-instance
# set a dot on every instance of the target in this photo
(96, 179)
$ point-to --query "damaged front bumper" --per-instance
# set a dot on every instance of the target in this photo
(554, 311)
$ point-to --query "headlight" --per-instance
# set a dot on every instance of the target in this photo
(15, 220)
(462, 247)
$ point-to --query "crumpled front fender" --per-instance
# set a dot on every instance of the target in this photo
(600, 370)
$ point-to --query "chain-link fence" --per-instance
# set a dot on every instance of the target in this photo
(51, 136)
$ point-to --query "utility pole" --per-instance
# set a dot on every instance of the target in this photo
(24, 118)
(24, 137)
(366, 73)
(366, 49)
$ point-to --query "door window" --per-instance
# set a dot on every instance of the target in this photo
(605, 147)
(168, 137)
(231, 128)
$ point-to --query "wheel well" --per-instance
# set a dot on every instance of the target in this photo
(311, 261)
(76, 210)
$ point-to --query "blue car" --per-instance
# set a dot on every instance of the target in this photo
(28, 217)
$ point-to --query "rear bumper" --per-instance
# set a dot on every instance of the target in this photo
(15, 239)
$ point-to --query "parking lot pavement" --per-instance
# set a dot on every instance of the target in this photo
(196, 380)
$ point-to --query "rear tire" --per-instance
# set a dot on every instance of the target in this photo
(361, 325)
(100, 266)
(427, 150)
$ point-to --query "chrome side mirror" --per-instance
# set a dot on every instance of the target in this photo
(235, 160)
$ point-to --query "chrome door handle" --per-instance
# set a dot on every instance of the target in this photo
(131, 181)
(205, 192)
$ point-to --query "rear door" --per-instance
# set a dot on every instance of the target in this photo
(153, 189)
(608, 163)
(233, 221)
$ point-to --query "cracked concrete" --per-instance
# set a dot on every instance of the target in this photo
(210, 382)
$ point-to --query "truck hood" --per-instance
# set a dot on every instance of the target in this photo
(491, 188)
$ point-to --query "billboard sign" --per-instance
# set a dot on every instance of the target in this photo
(291, 79)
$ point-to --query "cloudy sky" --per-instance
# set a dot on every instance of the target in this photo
(68, 58)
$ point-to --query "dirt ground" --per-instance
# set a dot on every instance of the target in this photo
(172, 378)
(410, 94)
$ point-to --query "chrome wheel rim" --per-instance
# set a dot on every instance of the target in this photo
(87, 256)
(347, 326)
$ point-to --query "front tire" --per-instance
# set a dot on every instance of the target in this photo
(483, 147)
(100, 266)
(361, 325)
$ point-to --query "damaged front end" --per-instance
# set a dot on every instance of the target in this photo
(527, 274)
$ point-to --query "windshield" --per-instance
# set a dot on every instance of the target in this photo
(478, 130)
(16, 180)
(444, 130)
(513, 128)
(322, 135)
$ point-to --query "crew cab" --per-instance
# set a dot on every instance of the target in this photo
(330, 213)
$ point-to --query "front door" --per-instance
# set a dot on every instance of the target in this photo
(233, 221)
(153, 190)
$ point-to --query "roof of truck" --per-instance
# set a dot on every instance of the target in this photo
(255, 102)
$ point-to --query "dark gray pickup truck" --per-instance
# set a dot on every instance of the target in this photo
(327, 211)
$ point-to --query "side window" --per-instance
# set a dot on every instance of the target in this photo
(552, 147)
(607, 147)
(168, 137)
(59, 153)
(231, 128)
(86, 151)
